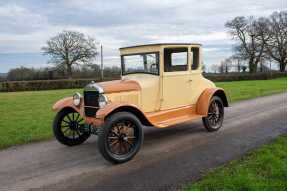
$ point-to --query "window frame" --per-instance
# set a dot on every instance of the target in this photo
(194, 56)
(177, 68)
(157, 53)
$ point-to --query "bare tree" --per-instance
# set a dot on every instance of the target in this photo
(214, 68)
(276, 43)
(203, 67)
(251, 47)
(225, 65)
(69, 48)
(238, 62)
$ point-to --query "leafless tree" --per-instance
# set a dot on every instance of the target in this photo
(276, 41)
(69, 48)
(237, 62)
(203, 67)
(221, 67)
(214, 68)
(225, 65)
(251, 47)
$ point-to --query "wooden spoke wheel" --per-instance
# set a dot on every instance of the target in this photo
(121, 137)
(215, 116)
(68, 128)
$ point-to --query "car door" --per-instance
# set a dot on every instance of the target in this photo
(175, 78)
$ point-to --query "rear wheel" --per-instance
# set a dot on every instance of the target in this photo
(120, 138)
(68, 128)
(213, 121)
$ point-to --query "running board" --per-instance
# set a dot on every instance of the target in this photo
(170, 117)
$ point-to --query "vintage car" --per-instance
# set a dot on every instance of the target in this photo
(161, 86)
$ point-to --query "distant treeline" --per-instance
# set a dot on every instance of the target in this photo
(79, 72)
(3, 78)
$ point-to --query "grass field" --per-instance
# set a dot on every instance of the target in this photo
(27, 116)
(262, 170)
(241, 90)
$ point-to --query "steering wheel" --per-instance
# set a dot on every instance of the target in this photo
(153, 66)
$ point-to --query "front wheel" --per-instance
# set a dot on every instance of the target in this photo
(213, 121)
(120, 138)
(68, 128)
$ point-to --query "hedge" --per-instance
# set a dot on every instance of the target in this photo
(244, 76)
(12, 86)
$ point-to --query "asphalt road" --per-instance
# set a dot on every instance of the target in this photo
(168, 159)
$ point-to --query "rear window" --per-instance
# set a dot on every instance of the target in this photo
(195, 58)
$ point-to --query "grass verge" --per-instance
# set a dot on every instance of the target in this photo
(262, 170)
(27, 116)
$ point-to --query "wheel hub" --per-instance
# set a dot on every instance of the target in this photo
(123, 137)
(214, 115)
(73, 125)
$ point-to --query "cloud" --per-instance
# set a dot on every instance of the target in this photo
(26, 25)
(15, 19)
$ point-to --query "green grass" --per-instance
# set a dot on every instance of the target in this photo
(27, 116)
(262, 170)
(240, 90)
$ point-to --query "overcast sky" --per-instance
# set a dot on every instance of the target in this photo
(25, 25)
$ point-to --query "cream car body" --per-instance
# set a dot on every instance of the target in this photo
(169, 91)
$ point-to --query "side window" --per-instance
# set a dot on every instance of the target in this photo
(140, 63)
(175, 59)
(195, 58)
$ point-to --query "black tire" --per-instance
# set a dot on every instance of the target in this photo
(124, 131)
(67, 128)
(213, 121)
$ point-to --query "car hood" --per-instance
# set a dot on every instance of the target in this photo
(115, 86)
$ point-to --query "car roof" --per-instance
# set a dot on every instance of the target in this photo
(160, 44)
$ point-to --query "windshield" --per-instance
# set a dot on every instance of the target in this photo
(140, 63)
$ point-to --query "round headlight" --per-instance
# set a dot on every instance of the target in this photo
(103, 100)
(77, 99)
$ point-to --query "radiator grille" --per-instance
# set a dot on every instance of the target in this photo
(91, 101)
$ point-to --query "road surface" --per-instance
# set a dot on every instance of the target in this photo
(168, 159)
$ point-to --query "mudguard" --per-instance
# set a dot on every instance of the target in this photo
(65, 103)
(204, 99)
